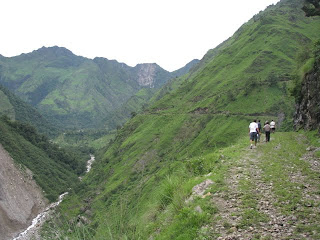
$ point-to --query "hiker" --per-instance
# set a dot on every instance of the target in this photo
(273, 126)
(267, 129)
(259, 134)
(253, 131)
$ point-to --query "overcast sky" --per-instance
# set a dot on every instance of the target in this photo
(168, 32)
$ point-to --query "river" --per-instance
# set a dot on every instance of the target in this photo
(43, 216)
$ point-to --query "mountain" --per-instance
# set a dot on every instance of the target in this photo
(16, 109)
(75, 92)
(54, 169)
(33, 172)
(141, 100)
(21, 198)
(189, 138)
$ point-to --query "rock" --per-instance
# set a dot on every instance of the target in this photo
(88, 213)
(198, 209)
(83, 220)
(233, 229)
(310, 148)
(307, 113)
(21, 198)
(202, 187)
(83, 209)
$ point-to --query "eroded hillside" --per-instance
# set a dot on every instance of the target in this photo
(21, 199)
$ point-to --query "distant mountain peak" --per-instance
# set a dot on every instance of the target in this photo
(55, 50)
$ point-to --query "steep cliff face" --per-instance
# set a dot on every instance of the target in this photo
(151, 75)
(20, 198)
(307, 114)
(308, 110)
(146, 74)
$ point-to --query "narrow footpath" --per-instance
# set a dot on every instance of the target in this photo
(273, 192)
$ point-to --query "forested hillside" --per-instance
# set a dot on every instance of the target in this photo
(16, 109)
(54, 169)
(140, 187)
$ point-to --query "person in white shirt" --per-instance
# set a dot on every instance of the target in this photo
(253, 131)
(273, 126)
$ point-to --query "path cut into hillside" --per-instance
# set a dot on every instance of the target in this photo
(273, 192)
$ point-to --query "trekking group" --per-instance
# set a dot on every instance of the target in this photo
(255, 131)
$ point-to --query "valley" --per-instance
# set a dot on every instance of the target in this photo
(169, 151)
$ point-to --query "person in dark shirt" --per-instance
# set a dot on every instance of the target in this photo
(267, 129)
(259, 134)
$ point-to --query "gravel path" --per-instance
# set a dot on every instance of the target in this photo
(233, 204)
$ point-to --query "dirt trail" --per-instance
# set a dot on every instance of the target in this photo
(249, 193)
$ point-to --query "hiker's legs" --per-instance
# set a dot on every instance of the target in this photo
(253, 139)
(267, 136)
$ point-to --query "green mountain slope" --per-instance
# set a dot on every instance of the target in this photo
(54, 169)
(73, 91)
(141, 100)
(16, 109)
(196, 126)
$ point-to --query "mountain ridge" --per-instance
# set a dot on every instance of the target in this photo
(75, 92)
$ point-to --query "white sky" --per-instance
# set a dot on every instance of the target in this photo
(168, 32)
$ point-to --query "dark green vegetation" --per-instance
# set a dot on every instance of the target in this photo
(196, 125)
(54, 169)
(312, 8)
(76, 92)
(16, 109)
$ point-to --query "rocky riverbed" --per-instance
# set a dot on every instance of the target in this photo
(32, 232)
(20, 197)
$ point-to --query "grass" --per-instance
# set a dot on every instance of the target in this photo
(140, 183)
(280, 163)
(161, 210)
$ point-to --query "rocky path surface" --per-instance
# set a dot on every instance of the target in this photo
(254, 208)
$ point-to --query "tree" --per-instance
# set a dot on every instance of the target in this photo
(311, 8)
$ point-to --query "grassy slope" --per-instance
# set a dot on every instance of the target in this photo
(139, 186)
(135, 104)
(158, 207)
